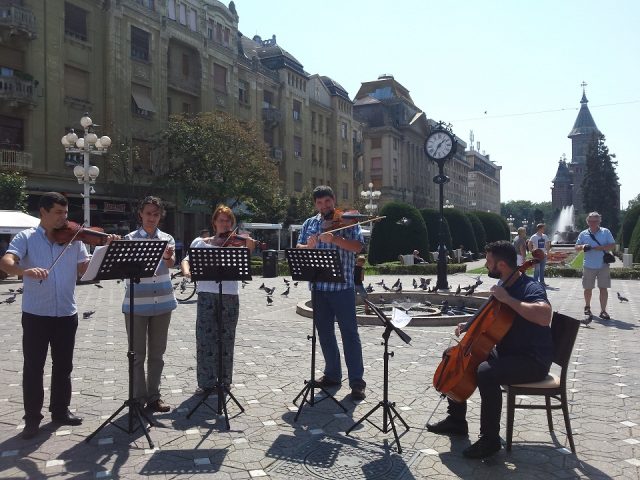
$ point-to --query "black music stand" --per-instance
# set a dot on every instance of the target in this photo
(314, 265)
(389, 411)
(219, 264)
(132, 259)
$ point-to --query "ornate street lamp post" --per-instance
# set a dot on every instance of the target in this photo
(510, 220)
(88, 145)
(370, 195)
(440, 146)
(525, 223)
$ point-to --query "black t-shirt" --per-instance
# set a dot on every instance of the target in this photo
(357, 275)
(525, 337)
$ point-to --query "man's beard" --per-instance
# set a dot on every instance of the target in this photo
(494, 273)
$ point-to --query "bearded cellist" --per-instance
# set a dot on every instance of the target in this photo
(523, 355)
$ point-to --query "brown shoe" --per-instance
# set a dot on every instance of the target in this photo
(326, 382)
(158, 406)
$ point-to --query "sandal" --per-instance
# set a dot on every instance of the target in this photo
(587, 311)
(604, 316)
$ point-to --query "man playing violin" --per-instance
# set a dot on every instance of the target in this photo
(336, 301)
(49, 312)
(523, 355)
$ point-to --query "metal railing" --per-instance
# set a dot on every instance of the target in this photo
(15, 160)
(20, 18)
(14, 88)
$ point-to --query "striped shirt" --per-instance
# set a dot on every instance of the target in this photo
(313, 226)
(153, 295)
(229, 287)
(55, 296)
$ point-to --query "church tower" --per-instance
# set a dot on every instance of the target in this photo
(583, 135)
(562, 190)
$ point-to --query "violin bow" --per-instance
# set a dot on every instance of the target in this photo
(229, 236)
(374, 219)
(65, 249)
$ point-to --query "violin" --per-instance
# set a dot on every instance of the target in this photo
(232, 239)
(337, 220)
(72, 231)
(455, 377)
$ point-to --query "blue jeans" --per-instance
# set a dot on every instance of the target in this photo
(538, 274)
(340, 306)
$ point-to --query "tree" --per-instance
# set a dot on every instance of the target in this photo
(216, 157)
(461, 229)
(393, 236)
(600, 187)
(432, 220)
(13, 191)
(628, 224)
(633, 202)
(495, 226)
(478, 230)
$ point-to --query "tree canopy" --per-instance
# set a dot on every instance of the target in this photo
(600, 187)
(13, 191)
(218, 158)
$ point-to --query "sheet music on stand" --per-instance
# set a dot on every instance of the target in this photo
(315, 265)
(125, 259)
(227, 263)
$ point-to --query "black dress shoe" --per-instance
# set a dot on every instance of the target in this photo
(158, 406)
(449, 426)
(325, 382)
(66, 418)
(357, 393)
(31, 429)
(483, 448)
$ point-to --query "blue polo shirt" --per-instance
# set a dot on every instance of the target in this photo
(594, 258)
(313, 226)
(55, 296)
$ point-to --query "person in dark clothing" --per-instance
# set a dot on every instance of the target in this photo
(523, 355)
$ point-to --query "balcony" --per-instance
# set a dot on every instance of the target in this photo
(189, 85)
(271, 116)
(17, 91)
(277, 155)
(15, 160)
(17, 20)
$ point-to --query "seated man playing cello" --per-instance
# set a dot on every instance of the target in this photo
(523, 355)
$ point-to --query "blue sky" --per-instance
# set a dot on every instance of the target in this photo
(508, 70)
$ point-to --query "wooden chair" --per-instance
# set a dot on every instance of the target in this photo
(564, 331)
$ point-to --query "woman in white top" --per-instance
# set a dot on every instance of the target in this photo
(223, 222)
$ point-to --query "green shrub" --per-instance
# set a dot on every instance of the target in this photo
(461, 229)
(617, 273)
(391, 237)
(495, 226)
(432, 220)
(478, 230)
(628, 224)
(634, 244)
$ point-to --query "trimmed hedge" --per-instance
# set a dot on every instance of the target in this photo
(419, 269)
(390, 238)
(634, 244)
(495, 226)
(478, 230)
(628, 224)
(432, 220)
(461, 230)
(617, 273)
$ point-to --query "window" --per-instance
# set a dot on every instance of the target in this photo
(320, 156)
(320, 123)
(193, 20)
(395, 144)
(314, 158)
(297, 181)
(297, 147)
(169, 110)
(171, 9)
(345, 191)
(313, 121)
(11, 133)
(345, 161)
(140, 41)
(219, 78)
(227, 35)
(267, 99)
(297, 108)
(150, 4)
(141, 103)
(76, 83)
(376, 166)
(183, 14)
(243, 92)
(219, 32)
(186, 108)
(75, 21)
(376, 142)
(210, 29)
(185, 65)
(343, 130)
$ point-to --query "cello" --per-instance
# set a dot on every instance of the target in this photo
(455, 377)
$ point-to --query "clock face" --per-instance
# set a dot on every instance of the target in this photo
(438, 145)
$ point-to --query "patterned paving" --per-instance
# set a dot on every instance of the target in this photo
(272, 361)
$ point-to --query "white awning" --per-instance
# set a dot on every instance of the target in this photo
(262, 226)
(142, 100)
(13, 221)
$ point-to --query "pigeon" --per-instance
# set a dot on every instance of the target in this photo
(269, 301)
(269, 290)
(381, 282)
(295, 284)
(86, 315)
(261, 287)
(444, 308)
(404, 221)
(467, 287)
(470, 291)
(387, 289)
(369, 289)
(415, 284)
(587, 320)
(118, 281)
(621, 298)
(20, 290)
(12, 290)
(396, 284)
(10, 299)
(98, 286)
(244, 284)
(458, 290)
(286, 282)
(478, 281)
(397, 288)
(174, 275)
(286, 292)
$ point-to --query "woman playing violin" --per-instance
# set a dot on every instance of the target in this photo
(523, 355)
(223, 222)
(336, 301)
(153, 305)
(49, 312)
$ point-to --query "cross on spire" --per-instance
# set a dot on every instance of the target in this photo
(584, 95)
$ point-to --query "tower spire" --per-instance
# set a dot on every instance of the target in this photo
(584, 95)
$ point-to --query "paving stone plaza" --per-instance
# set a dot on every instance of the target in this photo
(272, 361)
